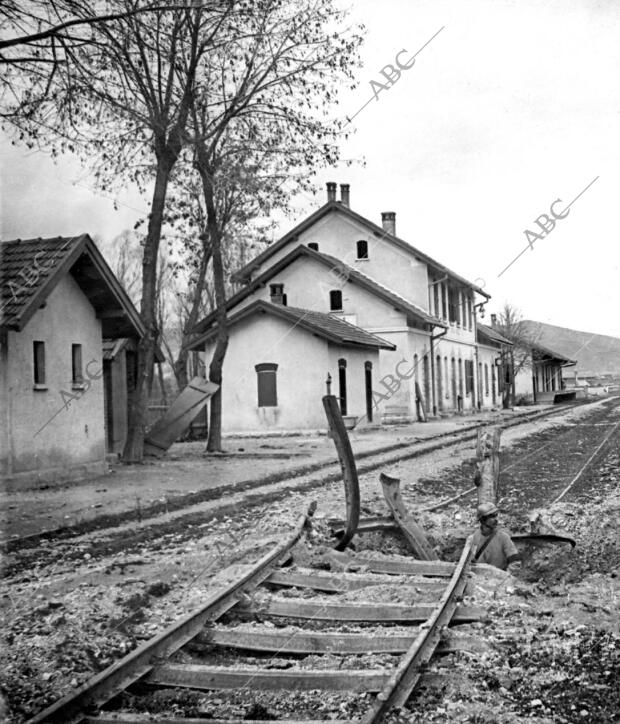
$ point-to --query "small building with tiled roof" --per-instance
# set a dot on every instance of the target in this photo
(59, 299)
(278, 361)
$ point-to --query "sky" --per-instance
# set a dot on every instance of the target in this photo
(511, 106)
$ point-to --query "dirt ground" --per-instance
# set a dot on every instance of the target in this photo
(70, 608)
(186, 474)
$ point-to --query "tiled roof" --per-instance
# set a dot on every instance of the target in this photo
(26, 268)
(327, 326)
(31, 268)
(243, 273)
(492, 334)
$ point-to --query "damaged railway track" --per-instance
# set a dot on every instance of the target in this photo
(269, 489)
(182, 656)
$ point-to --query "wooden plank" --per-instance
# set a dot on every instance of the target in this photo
(365, 525)
(486, 477)
(307, 578)
(414, 534)
(109, 717)
(199, 676)
(179, 416)
(441, 569)
(320, 642)
(362, 612)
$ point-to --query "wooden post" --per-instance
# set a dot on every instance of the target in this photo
(487, 465)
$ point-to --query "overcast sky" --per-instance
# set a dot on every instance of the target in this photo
(514, 104)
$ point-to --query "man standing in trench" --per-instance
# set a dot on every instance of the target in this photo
(493, 544)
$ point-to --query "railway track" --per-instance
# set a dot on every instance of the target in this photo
(369, 461)
(208, 650)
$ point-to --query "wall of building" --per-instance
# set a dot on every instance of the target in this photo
(303, 361)
(488, 375)
(307, 284)
(387, 264)
(51, 434)
(5, 447)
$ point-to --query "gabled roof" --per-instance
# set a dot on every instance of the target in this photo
(541, 349)
(492, 334)
(328, 327)
(344, 271)
(30, 269)
(243, 274)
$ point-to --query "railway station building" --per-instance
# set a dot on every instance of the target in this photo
(338, 265)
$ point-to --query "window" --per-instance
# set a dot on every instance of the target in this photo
(368, 389)
(313, 245)
(277, 295)
(469, 376)
(443, 301)
(362, 249)
(335, 300)
(76, 364)
(342, 385)
(436, 299)
(452, 304)
(267, 384)
(486, 379)
(38, 356)
(460, 377)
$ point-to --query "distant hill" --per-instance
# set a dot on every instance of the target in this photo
(596, 354)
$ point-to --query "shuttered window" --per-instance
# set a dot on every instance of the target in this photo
(267, 384)
(76, 363)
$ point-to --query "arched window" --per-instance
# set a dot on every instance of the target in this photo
(313, 245)
(335, 300)
(362, 249)
(267, 384)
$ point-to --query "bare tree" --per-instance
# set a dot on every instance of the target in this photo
(275, 94)
(519, 358)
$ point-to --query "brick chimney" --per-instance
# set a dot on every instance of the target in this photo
(344, 195)
(388, 221)
(494, 320)
(331, 191)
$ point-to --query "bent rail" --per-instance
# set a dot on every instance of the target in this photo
(349, 471)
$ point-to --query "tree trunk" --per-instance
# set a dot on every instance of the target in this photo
(486, 477)
(180, 364)
(214, 442)
(134, 445)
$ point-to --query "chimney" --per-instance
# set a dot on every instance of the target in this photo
(331, 191)
(344, 195)
(388, 221)
(494, 320)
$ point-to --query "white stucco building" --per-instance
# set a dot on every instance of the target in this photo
(339, 264)
(59, 300)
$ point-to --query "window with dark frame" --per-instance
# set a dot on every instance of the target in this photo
(267, 384)
(38, 356)
(77, 376)
(335, 300)
(362, 249)
(277, 295)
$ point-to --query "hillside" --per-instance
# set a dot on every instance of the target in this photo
(596, 354)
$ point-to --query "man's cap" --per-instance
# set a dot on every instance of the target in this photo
(486, 509)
